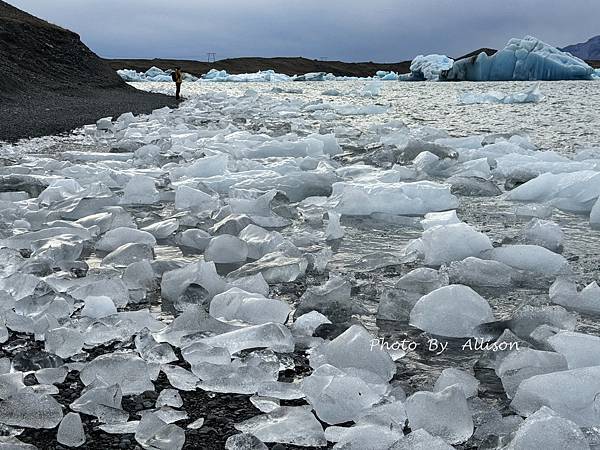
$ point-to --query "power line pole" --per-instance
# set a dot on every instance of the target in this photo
(211, 57)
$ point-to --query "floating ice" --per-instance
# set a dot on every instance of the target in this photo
(467, 382)
(226, 249)
(451, 311)
(546, 429)
(455, 242)
(544, 233)
(140, 190)
(420, 197)
(114, 239)
(286, 425)
(439, 218)
(445, 414)
(420, 440)
(127, 370)
(531, 258)
(473, 271)
(70, 431)
(531, 95)
(575, 400)
(356, 352)
(573, 192)
(521, 59)
(269, 335)
(524, 363)
(244, 441)
(336, 396)
(275, 267)
(430, 67)
(28, 410)
(595, 215)
(237, 304)
(580, 350)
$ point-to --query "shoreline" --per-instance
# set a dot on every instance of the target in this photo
(48, 113)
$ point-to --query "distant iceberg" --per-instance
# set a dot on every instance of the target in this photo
(531, 95)
(152, 74)
(260, 76)
(430, 67)
(526, 59)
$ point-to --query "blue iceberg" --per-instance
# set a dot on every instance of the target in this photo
(526, 59)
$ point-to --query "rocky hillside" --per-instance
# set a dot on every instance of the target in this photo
(589, 50)
(52, 82)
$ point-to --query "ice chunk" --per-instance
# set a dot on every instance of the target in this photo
(226, 249)
(430, 67)
(531, 258)
(336, 396)
(194, 239)
(367, 436)
(98, 307)
(114, 239)
(580, 350)
(162, 229)
(420, 440)
(451, 311)
(28, 410)
(455, 242)
(244, 441)
(306, 324)
(521, 59)
(467, 382)
(356, 352)
(269, 335)
(421, 197)
(546, 429)
(153, 433)
(127, 370)
(169, 397)
(64, 342)
(208, 166)
(194, 199)
(260, 241)
(70, 431)
(237, 304)
(544, 233)
(140, 190)
(526, 363)
(528, 318)
(445, 414)
(128, 254)
(275, 267)
(439, 218)
(573, 191)
(331, 299)
(180, 378)
(576, 399)
(175, 282)
(396, 304)
(595, 215)
(530, 95)
(286, 425)
(480, 272)
(265, 404)
(334, 229)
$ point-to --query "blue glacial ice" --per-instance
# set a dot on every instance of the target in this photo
(521, 60)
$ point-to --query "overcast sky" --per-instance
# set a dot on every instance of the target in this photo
(351, 30)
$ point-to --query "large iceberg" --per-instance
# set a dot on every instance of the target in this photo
(521, 60)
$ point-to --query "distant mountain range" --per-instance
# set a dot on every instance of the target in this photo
(585, 50)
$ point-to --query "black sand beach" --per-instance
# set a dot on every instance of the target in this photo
(51, 82)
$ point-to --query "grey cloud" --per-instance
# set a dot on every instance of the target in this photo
(353, 30)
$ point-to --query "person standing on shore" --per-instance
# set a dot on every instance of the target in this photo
(178, 79)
